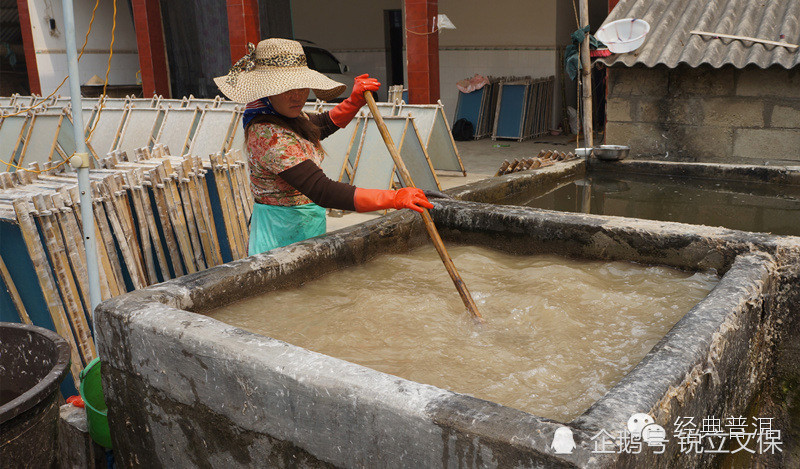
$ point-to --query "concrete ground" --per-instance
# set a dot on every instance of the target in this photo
(481, 158)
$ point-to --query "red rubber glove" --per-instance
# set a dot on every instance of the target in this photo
(369, 200)
(343, 113)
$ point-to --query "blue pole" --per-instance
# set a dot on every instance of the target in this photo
(81, 160)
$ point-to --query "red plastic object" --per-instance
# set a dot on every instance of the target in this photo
(599, 53)
(76, 401)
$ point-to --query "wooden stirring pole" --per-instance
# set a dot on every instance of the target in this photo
(426, 217)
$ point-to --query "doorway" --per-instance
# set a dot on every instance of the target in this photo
(393, 32)
(13, 72)
(275, 18)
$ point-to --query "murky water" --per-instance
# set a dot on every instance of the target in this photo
(558, 333)
(766, 208)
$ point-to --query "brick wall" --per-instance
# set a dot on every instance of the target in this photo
(748, 116)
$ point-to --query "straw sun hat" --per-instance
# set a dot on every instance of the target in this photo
(273, 67)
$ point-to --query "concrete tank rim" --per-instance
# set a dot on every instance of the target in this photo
(155, 296)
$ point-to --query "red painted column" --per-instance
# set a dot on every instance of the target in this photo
(243, 26)
(27, 45)
(152, 51)
(612, 4)
(422, 51)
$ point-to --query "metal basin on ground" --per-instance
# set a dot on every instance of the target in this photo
(611, 152)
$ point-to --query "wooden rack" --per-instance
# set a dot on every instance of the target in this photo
(157, 216)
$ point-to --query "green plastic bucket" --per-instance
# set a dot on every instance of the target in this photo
(96, 410)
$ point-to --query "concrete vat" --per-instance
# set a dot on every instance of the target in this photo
(183, 389)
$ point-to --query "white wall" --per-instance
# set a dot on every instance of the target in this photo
(342, 24)
(352, 30)
(51, 58)
(457, 64)
(502, 38)
(499, 23)
(505, 37)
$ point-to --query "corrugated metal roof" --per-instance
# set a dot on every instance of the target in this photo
(670, 43)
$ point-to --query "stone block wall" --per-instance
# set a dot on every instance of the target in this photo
(727, 115)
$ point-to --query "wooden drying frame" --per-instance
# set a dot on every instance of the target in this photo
(47, 283)
(12, 291)
(20, 139)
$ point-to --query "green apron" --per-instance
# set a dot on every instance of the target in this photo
(273, 226)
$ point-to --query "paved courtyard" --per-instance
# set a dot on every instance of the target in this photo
(481, 158)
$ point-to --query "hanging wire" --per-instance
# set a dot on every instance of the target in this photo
(575, 9)
(102, 100)
(579, 97)
(423, 34)
(108, 70)
(85, 41)
(435, 28)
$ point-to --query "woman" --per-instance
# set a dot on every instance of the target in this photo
(283, 143)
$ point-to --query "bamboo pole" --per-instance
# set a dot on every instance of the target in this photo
(77, 258)
(182, 183)
(200, 218)
(26, 139)
(426, 216)
(343, 169)
(47, 283)
(351, 173)
(243, 183)
(149, 217)
(12, 291)
(136, 196)
(223, 191)
(105, 246)
(787, 45)
(125, 214)
(166, 223)
(238, 201)
(74, 220)
(586, 78)
(54, 148)
(65, 279)
(121, 236)
(205, 205)
(230, 197)
(175, 213)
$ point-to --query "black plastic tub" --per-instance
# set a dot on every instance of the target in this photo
(33, 362)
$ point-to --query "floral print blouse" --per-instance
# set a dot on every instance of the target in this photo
(273, 149)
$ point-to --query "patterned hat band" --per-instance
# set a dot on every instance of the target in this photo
(284, 60)
(249, 62)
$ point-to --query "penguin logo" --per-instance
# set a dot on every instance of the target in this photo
(654, 434)
(563, 443)
(637, 422)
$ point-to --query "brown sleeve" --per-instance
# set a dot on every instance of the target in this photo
(325, 124)
(309, 179)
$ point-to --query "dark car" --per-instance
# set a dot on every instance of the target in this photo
(324, 62)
